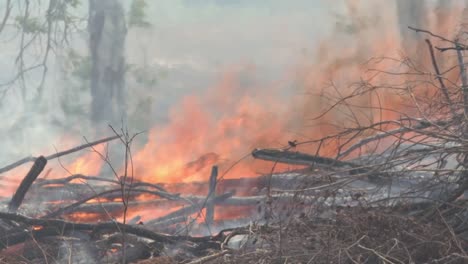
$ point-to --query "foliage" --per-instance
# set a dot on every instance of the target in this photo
(77, 74)
(137, 16)
(30, 25)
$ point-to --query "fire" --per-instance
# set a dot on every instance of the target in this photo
(200, 135)
(237, 114)
(88, 164)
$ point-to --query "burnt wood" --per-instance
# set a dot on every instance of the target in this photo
(39, 228)
(28, 180)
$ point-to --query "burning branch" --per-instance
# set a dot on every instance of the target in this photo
(73, 206)
(58, 154)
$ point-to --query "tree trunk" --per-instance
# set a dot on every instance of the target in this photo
(107, 32)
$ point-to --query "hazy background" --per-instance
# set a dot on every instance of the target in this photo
(277, 54)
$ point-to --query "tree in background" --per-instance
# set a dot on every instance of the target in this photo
(107, 32)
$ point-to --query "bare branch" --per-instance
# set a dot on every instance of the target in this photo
(58, 154)
(438, 36)
(439, 78)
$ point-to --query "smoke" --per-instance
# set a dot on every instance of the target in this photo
(223, 77)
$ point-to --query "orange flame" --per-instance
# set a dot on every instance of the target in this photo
(225, 123)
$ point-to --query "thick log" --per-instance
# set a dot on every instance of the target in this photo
(28, 180)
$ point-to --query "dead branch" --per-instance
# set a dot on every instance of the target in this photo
(439, 77)
(64, 181)
(55, 227)
(58, 154)
(297, 158)
(437, 36)
(72, 207)
(28, 180)
(211, 196)
(450, 48)
(464, 79)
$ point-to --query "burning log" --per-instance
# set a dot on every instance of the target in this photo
(28, 180)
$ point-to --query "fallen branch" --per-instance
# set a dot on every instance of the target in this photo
(464, 79)
(418, 30)
(72, 207)
(297, 158)
(55, 227)
(58, 154)
(135, 183)
(190, 209)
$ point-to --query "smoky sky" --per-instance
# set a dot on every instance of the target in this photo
(188, 47)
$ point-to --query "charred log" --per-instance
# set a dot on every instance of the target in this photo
(28, 180)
